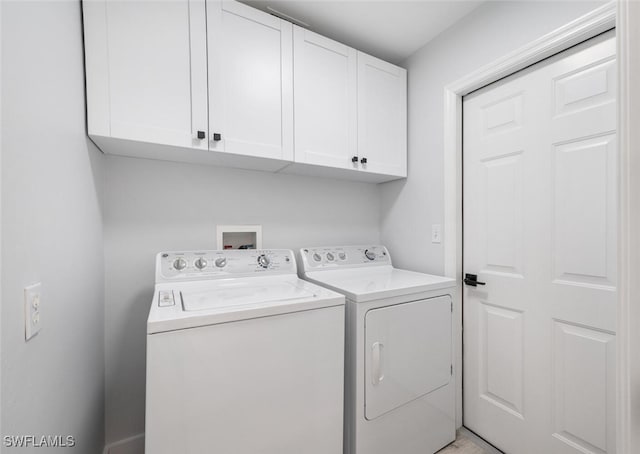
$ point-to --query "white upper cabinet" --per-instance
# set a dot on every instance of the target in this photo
(250, 82)
(382, 116)
(350, 111)
(325, 93)
(140, 83)
(220, 82)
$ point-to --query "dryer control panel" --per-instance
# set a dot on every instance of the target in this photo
(200, 265)
(344, 257)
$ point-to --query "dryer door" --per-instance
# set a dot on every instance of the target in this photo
(407, 353)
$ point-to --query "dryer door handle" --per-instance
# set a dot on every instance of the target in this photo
(377, 375)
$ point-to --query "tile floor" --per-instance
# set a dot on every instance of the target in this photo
(468, 443)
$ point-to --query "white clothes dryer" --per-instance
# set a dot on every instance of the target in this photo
(399, 383)
(242, 357)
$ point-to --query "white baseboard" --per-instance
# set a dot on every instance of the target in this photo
(130, 445)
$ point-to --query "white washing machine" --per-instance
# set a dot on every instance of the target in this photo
(242, 357)
(399, 383)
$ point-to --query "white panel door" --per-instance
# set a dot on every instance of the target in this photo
(325, 101)
(250, 81)
(539, 230)
(408, 353)
(382, 116)
(151, 61)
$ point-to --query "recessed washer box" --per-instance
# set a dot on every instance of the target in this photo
(239, 236)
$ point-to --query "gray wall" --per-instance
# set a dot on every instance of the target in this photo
(410, 207)
(51, 230)
(151, 206)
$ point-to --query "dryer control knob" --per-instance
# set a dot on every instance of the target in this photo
(371, 255)
(330, 256)
(317, 257)
(201, 263)
(221, 262)
(180, 264)
(264, 261)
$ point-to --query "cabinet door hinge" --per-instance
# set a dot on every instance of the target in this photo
(452, 369)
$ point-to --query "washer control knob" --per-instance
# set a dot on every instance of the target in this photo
(317, 257)
(330, 256)
(180, 264)
(221, 262)
(201, 263)
(342, 256)
(264, 261)
(371, 255)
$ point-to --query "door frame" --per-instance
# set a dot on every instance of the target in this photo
(585, 27)
(628, 329)
(1, 218)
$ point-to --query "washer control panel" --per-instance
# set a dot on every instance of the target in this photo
(219, 264)
(344, 256)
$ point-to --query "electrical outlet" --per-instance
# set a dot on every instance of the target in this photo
(32, 302)
(436, 235)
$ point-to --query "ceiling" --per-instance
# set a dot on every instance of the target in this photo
(388, 29)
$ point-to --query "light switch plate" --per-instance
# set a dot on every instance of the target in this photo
(32, 308)
(436, 234)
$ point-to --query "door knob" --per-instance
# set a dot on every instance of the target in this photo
(363, 161)
(217, 137)
(201, 135)
(472, 280)
(354, 159)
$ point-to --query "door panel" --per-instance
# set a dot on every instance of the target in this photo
(325, 101)
(382, 116)
(408, 353)
(503, 183)
(539, 212)
(585, 88)
(585, 356)
(501, 376)
(584, 244)
(250, 81)
(154, 55)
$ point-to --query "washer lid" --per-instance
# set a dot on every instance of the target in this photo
(237, 294)
(200, 303)
(371, 283)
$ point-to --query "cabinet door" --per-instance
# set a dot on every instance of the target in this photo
(250, 81)
(325, 99)
(146, 71)
(382, 116)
